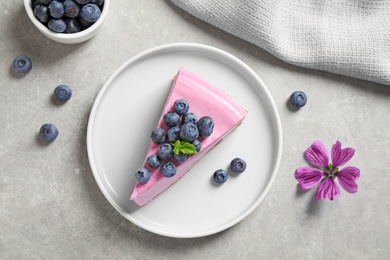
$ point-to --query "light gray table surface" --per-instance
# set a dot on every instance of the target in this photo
(52, 208)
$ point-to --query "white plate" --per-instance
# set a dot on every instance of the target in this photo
(127, 109)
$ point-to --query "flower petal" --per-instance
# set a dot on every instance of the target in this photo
(327, 188)
(341, 156)
(347, 178)
(308, 177)
(317, 154)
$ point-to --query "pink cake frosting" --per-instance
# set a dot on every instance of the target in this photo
(204, 100)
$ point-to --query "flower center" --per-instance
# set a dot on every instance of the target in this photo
(330, 172)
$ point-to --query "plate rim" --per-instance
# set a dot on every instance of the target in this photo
(189, 46)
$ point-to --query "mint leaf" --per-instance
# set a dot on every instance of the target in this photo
(176, 147)
(188, 148)
(183, 147)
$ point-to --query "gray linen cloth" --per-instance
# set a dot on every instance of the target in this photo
(348, 37)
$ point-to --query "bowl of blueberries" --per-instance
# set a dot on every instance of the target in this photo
(67, 21)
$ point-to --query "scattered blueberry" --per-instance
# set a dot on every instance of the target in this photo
(205, 126)
(238, 165)
(41, 12)
(180, 157)
(165, 151)
(142, 175)
(153, 161)
(62, 93)
(168, 169)
(181, 106)
(56, 9)
(171, 119)
(189, 132)
(48, 132)
(21, 65)
(71, 8)
(197, 145)
(173, 134)
(190, 118)
(90, 12)
(158, 136)
(220, 176)
(56, 25)
(298, 99)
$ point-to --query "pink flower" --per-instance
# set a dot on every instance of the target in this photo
(325, 173)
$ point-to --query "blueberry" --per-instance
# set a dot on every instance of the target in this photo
(189, 118)
(72, 25)
(83, 2)
(173, 134)
(98, 2)
(180, 157)
(298, 99)
(35, 3)
(238, 165)
(56, 9)
(197, 145)
(142, 175)
(165, 151)
(21, 65)
(62, 93)
(153, 161)
(71, 8)
(220, 176)
(189, 132)
(43, 2)
(84, 24)
(205, 126)
(41, 12)
(168, 169)
(181, 106)
(57, 25)
(171, 119)
(48, 132)
(90, 12)
(158, 136)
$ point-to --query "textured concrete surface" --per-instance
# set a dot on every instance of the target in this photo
(52, 208)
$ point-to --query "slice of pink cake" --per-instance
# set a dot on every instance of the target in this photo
(204, 99)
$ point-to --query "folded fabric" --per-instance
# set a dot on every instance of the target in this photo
(348, 37)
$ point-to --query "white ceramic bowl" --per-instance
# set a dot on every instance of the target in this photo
(68, 38)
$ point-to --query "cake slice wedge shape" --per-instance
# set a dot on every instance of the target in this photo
(204, 99)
